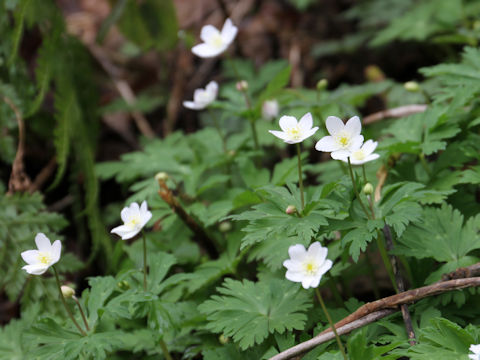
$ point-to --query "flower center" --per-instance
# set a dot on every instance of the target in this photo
(134, 222)
(44, 258)
(294, 133)
(216, 41)
(310, 268)
(358, 155)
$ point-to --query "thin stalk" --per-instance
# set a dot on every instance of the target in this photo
(81, 312)
(424, 164)
(371, 270)
(300, 177)
(364, 174)
(144, 261)
(356, 190)
(219, 130)
(253, 126)
(65, 303)
(332, 325)
(165, 350)
(386, 261)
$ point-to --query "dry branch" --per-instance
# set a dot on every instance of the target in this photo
(397, 112)
(363, 315)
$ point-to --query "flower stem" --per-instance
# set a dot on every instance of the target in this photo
(165, 350)
(81, 312)
(65, 303)
(332, 325)
(300, 177)
(364, 174)
(219, 130)
(356, 190)
(144, 261)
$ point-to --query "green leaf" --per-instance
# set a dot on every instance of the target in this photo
(249, 311)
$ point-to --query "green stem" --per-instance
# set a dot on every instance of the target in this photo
(300, 177)
(219, 130)
(81, 312)
(365, 180)
(371, 270)
(144, 261)
(356, 190)
(424, 164)
(386, 261)
(253, 126)
(65, 303)
(332, 325)
(165, 350)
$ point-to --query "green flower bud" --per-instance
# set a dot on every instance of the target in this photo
(225, 226)
(161, 176)
(411, 86)
(368, 189)
(124, 285)
(67, 291)
(291, 209)
(322, 84)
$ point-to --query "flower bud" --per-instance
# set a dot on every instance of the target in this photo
(270, 109)
(67, 291)
(161, 176)
(411, 86)
(124, 285)
(374, 74)
(242, 85)
(291, 209)
(223, 339)
(225, 226)
(322, 84)
(368, 189)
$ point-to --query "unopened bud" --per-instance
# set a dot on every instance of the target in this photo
(411, 86)
(242, 85)
(124, 285)
(225, 226)
(374, 74)
(270, 109)
(223, 339)
(368, 189)
(161, 176)
(322, 84)
(291, 209)
(67, 291)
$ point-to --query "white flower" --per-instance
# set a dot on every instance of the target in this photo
(364, 154)
(203, 97)
(343, 139)
(214, 41)
(307, 266)
(134, 219)
(270, 109)
(475, 349)
(40, 260)
(293, 131)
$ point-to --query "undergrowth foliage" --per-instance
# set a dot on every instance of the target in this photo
(201, 273)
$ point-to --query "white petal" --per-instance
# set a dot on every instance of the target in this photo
(143, 207)
(309, 133)
(355, 143)
(212, 88)
(279, 134)
(36, 269)
(327, 265)
(306, 122)
(318, 252)
(353, 126)
(135, 208)
(297, 252)
(287, 122)
(56, 251)
(294, 276)
(194, 106)
(340, 154)
(30, 256)
(475, 348)
(125, 214)
(369, 146)
(293, 266)
(327, 144)
(229, 31)
(370, 157)
(125, 232)
(208, 32)
(315, 281)
(334, 125)
(145, 218)
(306, 282)
(473, 356)
(207, 51)
(43, 243)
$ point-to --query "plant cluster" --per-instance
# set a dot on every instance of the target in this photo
(235, 245)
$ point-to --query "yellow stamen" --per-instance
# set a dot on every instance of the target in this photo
(343, 140)
(294, 132)
(44, 258)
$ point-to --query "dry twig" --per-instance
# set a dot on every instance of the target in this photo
(397, 112)
(378, 309)
(199, 232)
(19, 180)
